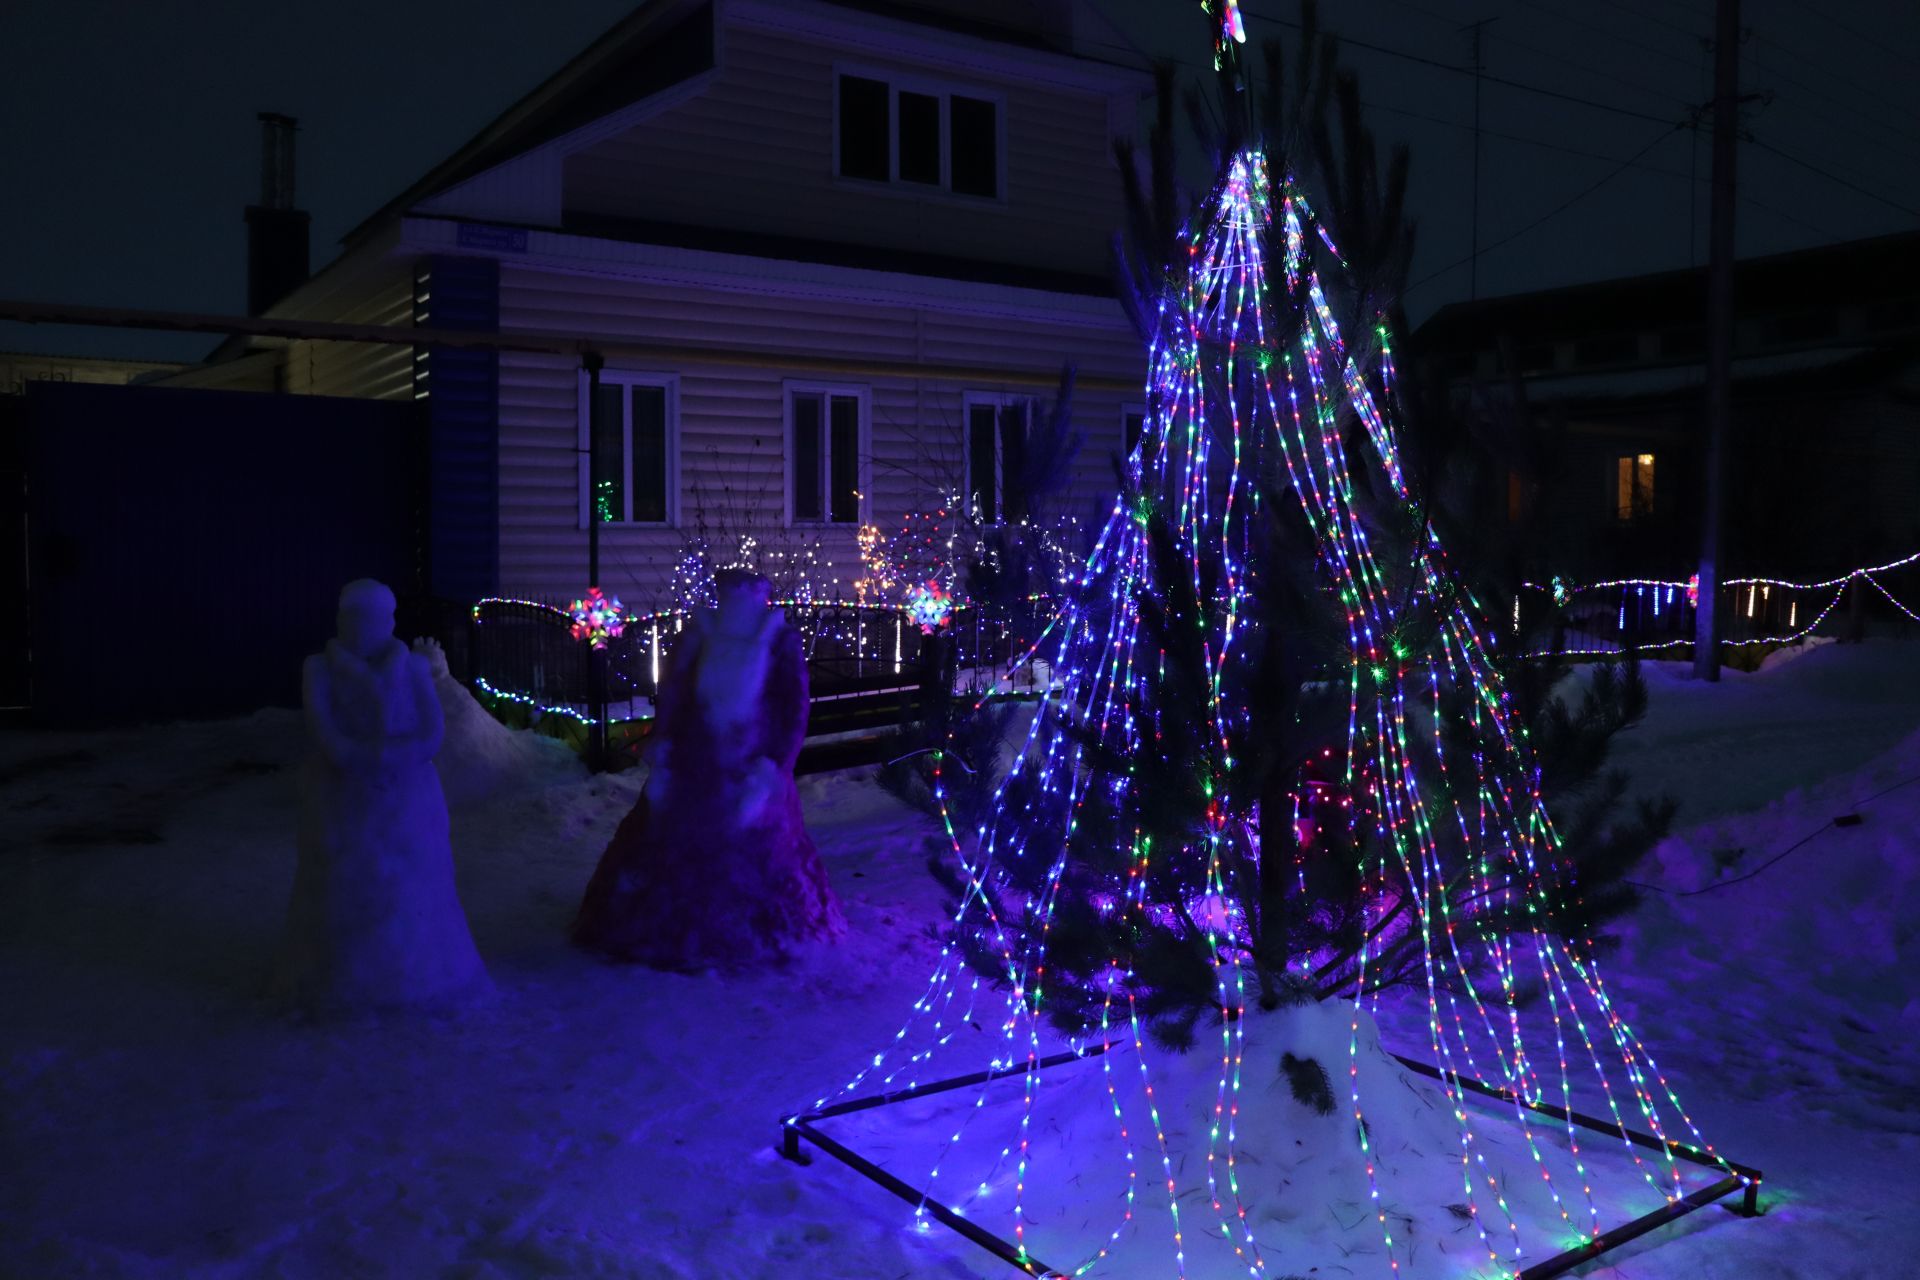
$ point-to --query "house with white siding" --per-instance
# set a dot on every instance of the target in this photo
(831, 256)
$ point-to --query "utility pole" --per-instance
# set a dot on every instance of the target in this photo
(1479, 67)
(1726, 107)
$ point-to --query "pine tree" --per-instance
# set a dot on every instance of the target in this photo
(1238, 808)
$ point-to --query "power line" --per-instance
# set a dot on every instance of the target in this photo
(1537, 7)
(1620, 168)
(1835, 178)
(1861, 112)
(1877, 41)
(1657, 169)
(1538, 51)
(1659, 20)
(1489, 79)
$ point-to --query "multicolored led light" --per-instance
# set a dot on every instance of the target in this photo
(1745, 598)
(930, 605)
(597, 618)
(1250, 374)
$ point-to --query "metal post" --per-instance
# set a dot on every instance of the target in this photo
(1726, 107)
(597, 708)
(592, 362)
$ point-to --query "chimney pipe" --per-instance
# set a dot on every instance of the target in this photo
(277, 260)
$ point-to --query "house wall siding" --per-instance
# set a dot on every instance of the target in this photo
(732, 472)
(754, 153)
(382, 294)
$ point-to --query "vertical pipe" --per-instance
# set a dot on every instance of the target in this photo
(592, 362)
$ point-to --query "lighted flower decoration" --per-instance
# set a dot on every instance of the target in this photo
(930, 605)
(598, 618)
(1693, 592)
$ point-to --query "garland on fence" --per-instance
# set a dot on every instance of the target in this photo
(1667, 594)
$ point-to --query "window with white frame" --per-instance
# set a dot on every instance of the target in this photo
(630, 449)
(996, 448)
(1133, 425)
(893, 129)
(827, 452)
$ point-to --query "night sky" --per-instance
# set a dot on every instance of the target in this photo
(130, 146)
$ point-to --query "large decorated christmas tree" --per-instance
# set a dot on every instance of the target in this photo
(1255, 783)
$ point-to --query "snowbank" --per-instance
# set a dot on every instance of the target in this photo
(480, 757)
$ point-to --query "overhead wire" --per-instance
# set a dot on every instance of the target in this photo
(1620, 166)
(1538, 7)
(1511, 42)
(1877, 42)
(1563, 206)
(1486, 77)
(1834, 178)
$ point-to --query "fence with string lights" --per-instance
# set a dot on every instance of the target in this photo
(1649, 615)
(593, 664)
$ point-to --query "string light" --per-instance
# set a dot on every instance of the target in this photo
(1242, 367)
(1758, 592)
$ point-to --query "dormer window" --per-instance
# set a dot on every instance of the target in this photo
(919, 134)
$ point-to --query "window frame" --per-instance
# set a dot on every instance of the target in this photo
(670, 384)
(863, 451)
(945, 91)
(1637, 463)
(997, 400)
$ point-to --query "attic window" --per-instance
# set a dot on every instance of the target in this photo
(864, 135)
(913, 132)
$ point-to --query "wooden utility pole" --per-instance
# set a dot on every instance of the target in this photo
(1726, 108)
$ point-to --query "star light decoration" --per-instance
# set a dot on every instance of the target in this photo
(1250, 368)
(930, 605)
(598, 618)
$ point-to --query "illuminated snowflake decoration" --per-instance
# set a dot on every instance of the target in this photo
(930, 605)
(598, 618)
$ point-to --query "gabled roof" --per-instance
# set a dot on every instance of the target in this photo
(658, 45)
(664, 43)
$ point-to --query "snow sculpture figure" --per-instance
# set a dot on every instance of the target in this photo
(374, 921)
(480, 758)
(713, 868)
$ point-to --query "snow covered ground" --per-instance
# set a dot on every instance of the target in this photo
(157, 1118)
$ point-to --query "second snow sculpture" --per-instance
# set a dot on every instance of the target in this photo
(713, 868)
(374, 920)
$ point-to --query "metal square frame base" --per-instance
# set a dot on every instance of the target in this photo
(804, 1125)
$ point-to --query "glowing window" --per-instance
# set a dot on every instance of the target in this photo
(1633, 486)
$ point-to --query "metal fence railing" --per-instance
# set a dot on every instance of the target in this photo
(1647, 615)
(867, 664)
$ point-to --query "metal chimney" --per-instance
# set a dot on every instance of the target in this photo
(277, 260)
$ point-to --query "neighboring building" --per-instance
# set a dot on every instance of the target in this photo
(817, 194)
(18, 368)
(1825, 445)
